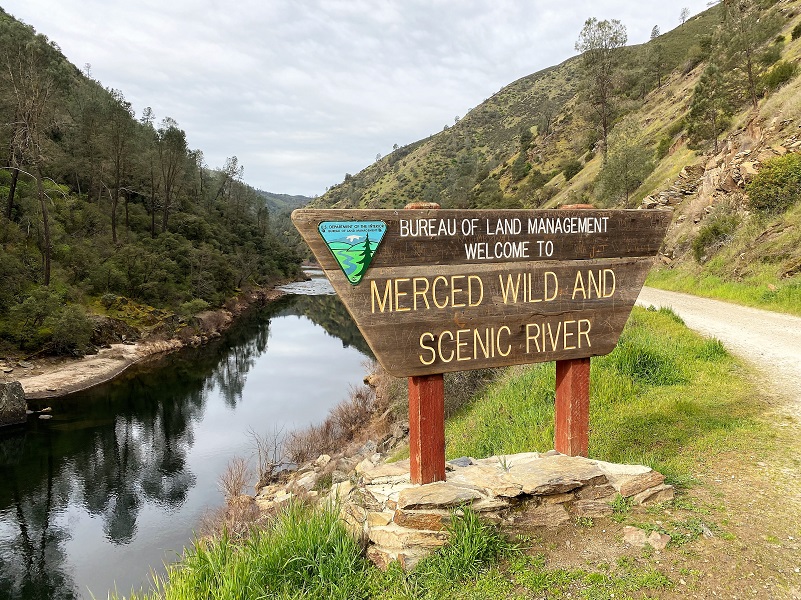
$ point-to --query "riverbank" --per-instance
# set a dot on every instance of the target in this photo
(53, 377)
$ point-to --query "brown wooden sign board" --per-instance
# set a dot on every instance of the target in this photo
(434, 291)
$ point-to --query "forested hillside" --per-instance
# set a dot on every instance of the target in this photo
(703, 119)
(104, 208)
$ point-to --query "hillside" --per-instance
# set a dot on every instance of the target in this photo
(685, 133)
(109, 220)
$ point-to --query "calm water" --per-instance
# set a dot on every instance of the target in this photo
(114, 484)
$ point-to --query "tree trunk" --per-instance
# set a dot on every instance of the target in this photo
(46, 250)
(12, 188)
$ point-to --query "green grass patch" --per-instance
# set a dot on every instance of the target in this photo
(666, 398)
(782, 296)
(304, 553)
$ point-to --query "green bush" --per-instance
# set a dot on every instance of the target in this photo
(571, 168)
(777, 186)
(191, 308)
(782, 72)
(797, 31)
(70, 331)
(716, 231)
(663, 147)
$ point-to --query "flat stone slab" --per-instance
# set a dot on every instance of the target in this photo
(436, 495)
(387, 472)
(630, 480)
(555, 475)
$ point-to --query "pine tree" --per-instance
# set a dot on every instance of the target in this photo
(365, 256)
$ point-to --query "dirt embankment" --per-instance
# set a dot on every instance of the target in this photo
(54, 377)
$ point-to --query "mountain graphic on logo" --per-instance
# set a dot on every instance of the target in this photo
(353, 244)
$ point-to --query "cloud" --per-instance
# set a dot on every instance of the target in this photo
(304, 91)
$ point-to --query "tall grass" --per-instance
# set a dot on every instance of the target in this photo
(665, 397)
(304, 553)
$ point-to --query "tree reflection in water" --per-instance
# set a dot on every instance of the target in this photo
(113, 450)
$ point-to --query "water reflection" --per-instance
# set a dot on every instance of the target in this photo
(134, 455)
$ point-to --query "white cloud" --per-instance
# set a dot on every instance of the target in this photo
(303, 91)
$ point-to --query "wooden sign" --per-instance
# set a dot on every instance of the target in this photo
(434, 291)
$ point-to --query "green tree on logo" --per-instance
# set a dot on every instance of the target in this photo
(364, 258)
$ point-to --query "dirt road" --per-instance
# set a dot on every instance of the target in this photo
(771, 341)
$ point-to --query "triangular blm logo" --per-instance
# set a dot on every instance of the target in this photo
(353, 244)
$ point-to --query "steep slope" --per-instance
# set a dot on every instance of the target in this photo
(534, 144)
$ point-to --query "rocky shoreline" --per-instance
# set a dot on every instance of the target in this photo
(51, 378)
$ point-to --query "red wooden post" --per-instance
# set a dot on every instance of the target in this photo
(572, 405)
(426, 416)
(427, 428)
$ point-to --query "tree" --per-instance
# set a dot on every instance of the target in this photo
(710, 107)
(172, 152)
(120, 128)
(628, 164)
(744, 30)
(684, 15)
(656, 56)
(599, 43)
(35, 73)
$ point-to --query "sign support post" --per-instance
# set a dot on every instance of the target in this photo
(426, 416)
(572, 403)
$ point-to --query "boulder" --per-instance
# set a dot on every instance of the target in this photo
(13, 409)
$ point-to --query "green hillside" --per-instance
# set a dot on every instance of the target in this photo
(687, 109)
(106, 213)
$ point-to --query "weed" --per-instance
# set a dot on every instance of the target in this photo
(584, 522)
(620, 507)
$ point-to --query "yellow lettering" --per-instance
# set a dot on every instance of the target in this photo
(437, 279)
(418, 292)
(555, 286)
(498, 345)
(460, 344)
(399, 293)
(374, 296)
(470, 280)
(566, 335)
(579, 285)
(430, 336)
(535, 336)
(608, 293)
(455, 290)
(584, 332)
(439, 345)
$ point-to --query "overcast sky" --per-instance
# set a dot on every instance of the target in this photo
(303, 91)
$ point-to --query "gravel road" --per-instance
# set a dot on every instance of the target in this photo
(771, 341)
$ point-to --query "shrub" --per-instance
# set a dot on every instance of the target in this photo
(797, 31)
(716, 232)
(70, 331)
(781, 73)
(191, 308)
(777, 186)
(571, 168)
(663, 148)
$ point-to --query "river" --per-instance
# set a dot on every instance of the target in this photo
(115, 483)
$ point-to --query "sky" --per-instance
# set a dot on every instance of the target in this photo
(304, 91)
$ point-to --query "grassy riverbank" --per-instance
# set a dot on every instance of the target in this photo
(666, 398)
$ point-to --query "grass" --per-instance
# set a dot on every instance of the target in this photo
(666, 398)
(782, 296)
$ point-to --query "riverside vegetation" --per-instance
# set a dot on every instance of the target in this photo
(107, 217)
(665, 397)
